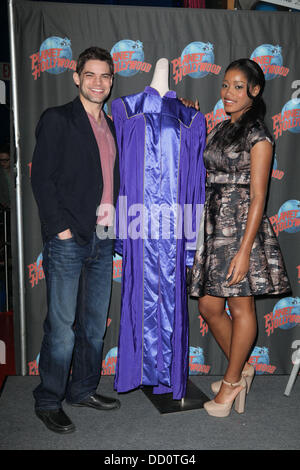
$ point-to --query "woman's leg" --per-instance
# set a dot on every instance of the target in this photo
(244, 328)
(213, 311)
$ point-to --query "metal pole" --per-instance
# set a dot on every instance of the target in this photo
(18, 189)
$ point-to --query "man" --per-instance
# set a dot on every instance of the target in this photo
(74, 170)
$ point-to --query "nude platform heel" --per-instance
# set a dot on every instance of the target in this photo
(247, 374)
(221, 410)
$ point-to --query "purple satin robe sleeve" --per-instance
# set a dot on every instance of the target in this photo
(118, 115)
(196, 184)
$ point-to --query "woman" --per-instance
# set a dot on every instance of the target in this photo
(240, 257)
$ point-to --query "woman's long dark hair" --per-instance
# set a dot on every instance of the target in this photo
(235, 134)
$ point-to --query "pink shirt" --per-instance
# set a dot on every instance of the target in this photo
(107, 150)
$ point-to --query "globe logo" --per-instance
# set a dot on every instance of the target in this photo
(196, 357)
(55, 42)
(219, 112)
(260, 355)
(227, 309)
(109, 364)
(293, 221)
(291, 307)
(112, 353)
(135, 52)
(290, 114)
(267, 56)
(197, 47)
(39, 261)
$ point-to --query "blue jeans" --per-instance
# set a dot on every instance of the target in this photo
(78, 280)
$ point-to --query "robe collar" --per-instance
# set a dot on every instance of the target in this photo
(152, 91)
(150, 102)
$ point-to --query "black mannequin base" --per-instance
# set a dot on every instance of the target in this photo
(165, 403)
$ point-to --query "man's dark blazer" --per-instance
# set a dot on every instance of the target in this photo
(66, 173)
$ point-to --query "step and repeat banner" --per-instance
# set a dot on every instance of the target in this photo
(199, 44)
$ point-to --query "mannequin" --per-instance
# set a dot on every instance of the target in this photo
(160, 143)
(160, 80)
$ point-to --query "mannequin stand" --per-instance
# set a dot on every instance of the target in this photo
(294, 373)
(164, 403)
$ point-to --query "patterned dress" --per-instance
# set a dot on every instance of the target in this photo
(225, 217)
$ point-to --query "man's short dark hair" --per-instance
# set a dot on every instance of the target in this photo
(94, 53)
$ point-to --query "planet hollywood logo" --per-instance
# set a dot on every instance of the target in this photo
(288, 217)
(203, 326)
(33, 366)
(288, 119)
(276, 173)
(260, 360)
(128, 57)
(269, 58)
(117, 268)
(196, 61)
(217, 115)
(285, 315)
(54, 57)
(197, 362)
(110, 361)
(35, 271)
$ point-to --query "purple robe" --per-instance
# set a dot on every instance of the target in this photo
(161, 143)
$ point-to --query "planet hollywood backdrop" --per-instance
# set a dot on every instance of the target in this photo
(198, 44)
